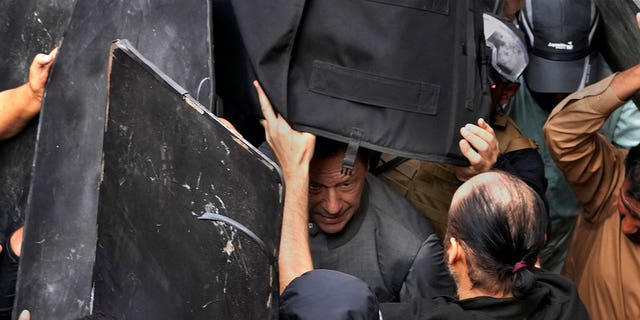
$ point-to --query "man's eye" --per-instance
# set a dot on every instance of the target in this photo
(314, 187)
(346, 186)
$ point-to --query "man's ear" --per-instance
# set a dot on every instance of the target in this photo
(454, 252)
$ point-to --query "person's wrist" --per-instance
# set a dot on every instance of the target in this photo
(35, 94)
(295, 174)
(32, 101)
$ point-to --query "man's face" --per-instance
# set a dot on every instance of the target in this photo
(548, 101)
(333, 197)
(629, 214)
(503, 91)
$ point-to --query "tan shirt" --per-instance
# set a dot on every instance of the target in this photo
(603, 263)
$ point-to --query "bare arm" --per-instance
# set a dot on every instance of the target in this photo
(19, 105)
(626, 83)
(294, 151)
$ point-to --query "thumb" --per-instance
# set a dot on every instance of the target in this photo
(43, 59)
(25, 315)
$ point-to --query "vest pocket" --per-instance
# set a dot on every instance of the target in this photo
(381, 91)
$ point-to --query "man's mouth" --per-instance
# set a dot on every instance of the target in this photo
(329, 219)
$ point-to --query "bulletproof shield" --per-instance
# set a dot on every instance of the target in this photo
(400, 77)
(26, 28)
(189, 213)
(55, 276)
(621, 45)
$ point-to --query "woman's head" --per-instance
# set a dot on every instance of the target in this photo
(499, 223)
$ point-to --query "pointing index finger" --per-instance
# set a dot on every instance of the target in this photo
(265, 105)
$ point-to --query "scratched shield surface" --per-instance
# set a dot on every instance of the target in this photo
(59, 248)
(27, 27)
(189, 213)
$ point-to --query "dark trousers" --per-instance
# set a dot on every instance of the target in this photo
(8, 276)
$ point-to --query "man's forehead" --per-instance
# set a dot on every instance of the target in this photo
(330, 169)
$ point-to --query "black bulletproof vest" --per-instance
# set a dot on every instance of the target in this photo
(397, 76)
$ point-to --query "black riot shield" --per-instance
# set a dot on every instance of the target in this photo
(189, 214)
(27, 27)
(56, 267)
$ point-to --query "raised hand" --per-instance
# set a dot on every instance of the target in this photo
(480, 147)
(293, 149)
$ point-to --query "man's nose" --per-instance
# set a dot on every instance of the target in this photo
(332, 203)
